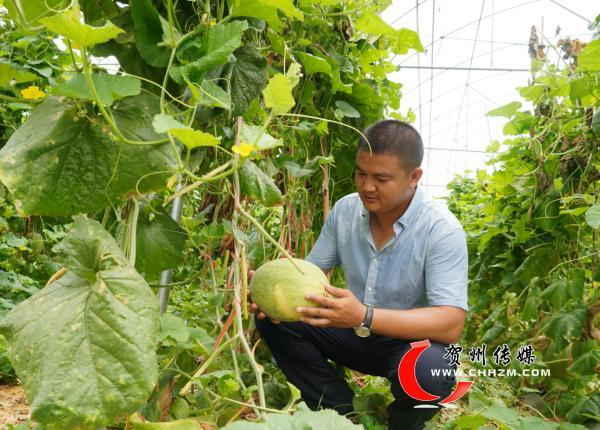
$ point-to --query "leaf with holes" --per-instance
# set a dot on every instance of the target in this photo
(84, 346)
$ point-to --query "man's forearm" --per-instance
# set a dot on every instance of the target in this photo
(442, 324)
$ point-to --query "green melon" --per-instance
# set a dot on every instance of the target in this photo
(278, 288)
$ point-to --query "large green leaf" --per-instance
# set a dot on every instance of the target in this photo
(267, 10)
(109, 87)
(557, 293)
(13, 74)
(278, 94)
(214, 49)
(400, 40)
(256, 184)
(596, 123)
(28, 13)
(68, 25)
(313, 64)
(60, 162)
(566, 325)
(506, 111)
(372, 23)
(148, 33)
(589, 58)
(586, 363)
(247, 76)
(84, 347)
(194, 138)
(592, 216)
(159, 241)
(304, 419)
(255, 135)
(406, 39)
(95, 11)
(586, 407)
(212, 95)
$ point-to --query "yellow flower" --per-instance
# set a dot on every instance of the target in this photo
(244, 149)
(32, 93)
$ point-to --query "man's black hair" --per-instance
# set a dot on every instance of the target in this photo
(390, 136)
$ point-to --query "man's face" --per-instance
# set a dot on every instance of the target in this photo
(382, 182)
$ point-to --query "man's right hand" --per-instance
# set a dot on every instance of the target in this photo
(253, 306)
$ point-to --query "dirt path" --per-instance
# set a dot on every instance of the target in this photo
(13, 405)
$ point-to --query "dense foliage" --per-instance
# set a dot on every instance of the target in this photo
(249, 111)
(232, 107)
(533, 222)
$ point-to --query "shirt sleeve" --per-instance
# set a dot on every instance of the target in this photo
(325, 252)
(446, 269)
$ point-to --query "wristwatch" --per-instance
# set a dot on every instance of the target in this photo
(364, 329)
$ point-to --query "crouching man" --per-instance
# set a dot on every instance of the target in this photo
(404, 258)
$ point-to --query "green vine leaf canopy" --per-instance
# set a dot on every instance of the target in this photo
(160, 241)
(109, 87)
(267, 10)
(58, 154)
(148, 39)
(205, 51)
(257, 184)
(68, 25)
(11, 74)
(28, 13)
(84, 346)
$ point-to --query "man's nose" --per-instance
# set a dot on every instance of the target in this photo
(369, 185)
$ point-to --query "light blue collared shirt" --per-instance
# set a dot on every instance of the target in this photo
(424, 264)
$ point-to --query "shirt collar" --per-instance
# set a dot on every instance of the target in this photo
(409, 214)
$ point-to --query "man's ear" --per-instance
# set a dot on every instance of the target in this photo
(415, 176)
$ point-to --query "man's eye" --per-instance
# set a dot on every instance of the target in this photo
(360, 174)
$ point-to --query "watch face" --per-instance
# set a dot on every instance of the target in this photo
(362, 331)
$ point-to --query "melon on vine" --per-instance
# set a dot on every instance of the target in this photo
(278, 287)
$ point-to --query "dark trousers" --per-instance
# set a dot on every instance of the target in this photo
(302, 352)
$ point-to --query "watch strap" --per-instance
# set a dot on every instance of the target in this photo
(368, 317)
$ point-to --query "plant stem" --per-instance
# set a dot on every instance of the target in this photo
(264, 232)
(237, 402)
(237, 281)
(105, 113)
(209, 177)
(187, 387)
(131, 231)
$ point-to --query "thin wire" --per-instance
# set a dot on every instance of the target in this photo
(478, 69)
(409, 11)
(469, 72)
(453, 110)
(573, 12)
(492, 41)
(430, 89)
(487, 120)
(469, 24)
(466, 39)
(457, 64)
(419, 76)
(466, 88)
(461, 86)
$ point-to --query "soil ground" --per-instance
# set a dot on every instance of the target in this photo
(13, 405)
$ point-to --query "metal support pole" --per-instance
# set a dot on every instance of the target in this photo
(167, 275)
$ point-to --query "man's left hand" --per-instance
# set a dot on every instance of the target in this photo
(343, 310)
